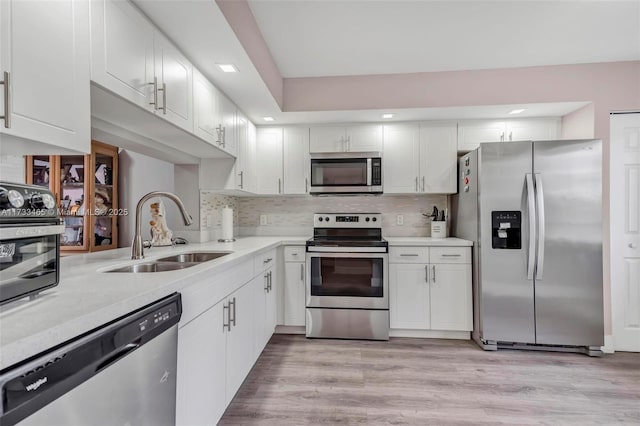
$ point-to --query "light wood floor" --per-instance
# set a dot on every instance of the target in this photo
(298, 381)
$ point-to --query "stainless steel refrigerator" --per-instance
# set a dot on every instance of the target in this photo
(534, 212)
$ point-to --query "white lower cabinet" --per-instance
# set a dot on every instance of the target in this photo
(202, 369)
(430, 288)
(409, 298)
(265, 309)
(294, 298)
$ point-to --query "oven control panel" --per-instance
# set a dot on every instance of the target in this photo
(347, 220)
(26, 201)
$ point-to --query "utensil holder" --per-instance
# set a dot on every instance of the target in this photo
(439, 229)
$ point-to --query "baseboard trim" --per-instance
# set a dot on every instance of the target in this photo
(431, 334)
(290, 329)
(608, 347)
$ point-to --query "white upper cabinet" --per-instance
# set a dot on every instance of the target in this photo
(420, 158)
(438, 158)
(296, 160)
(122, 52)
(44, 55)
(205, 113)
(227, 117)
(361, 138)
(365, 138)
(401, 161)
(535, 129)
(269, 167)
(174, 83)
(131, 58)
(472, 133)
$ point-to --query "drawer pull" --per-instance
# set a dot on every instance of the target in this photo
(264, 262)
(408, 254)
(450, 255)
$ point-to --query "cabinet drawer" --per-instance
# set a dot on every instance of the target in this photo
(294, 253)
(450, 255)
(264, 261)
(409, 254)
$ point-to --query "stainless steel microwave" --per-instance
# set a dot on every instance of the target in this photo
(346, 173)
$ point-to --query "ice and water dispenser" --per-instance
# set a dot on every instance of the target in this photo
(506, 230)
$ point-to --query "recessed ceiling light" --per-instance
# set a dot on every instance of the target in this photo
(516, 111)
(268, 118)
(228, 67)
(388, 115)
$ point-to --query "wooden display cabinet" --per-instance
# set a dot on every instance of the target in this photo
(86, 190)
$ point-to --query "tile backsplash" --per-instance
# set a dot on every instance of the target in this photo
(294, 215)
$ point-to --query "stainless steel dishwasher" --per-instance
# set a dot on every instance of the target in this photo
(122, 373)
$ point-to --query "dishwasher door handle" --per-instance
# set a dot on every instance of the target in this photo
(118, 354)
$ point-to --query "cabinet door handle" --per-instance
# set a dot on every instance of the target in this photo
(241, 180)
(433, 268)
(164, 98)
(7, 105)
(348, 143)
(416, 183)
(232, 320)
(155, 93)
(224, 136)
(219, 134)
(511, 135)
(408, 254)
(302, 272)
(502, 137)
(422, 183)
(306, 185)
(270, 280)
(279, 186)
(266, 282)
(228, 324)
(426, 270)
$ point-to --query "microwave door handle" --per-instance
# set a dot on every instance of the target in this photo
(369, 171)
(531, 208)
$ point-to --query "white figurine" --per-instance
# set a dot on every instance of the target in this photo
(161, 234)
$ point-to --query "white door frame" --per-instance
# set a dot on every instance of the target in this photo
(625, 230)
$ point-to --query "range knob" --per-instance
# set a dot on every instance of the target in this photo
(374, 219)
(367, 219)
(320, 219)
(326, 218)
(11, 199)
(42, 201)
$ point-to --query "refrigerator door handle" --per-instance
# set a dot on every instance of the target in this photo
(541, 224)
(531, 206)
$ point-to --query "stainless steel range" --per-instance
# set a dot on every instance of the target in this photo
(347, 286)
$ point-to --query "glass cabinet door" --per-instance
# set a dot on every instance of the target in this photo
(73, 201)
(104, 213)
(41, 171)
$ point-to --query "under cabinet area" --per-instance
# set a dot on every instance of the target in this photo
(430, 289)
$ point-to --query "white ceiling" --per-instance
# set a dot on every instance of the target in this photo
(348, 37)
(313, 37)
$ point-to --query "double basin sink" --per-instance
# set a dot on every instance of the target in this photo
(173, 263)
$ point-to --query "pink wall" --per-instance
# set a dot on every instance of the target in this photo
(579, 124)
(244, 25)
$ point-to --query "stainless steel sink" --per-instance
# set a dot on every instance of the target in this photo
(195, 257)
(153, 267)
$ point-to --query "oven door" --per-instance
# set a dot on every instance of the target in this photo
(347, 280)
(28, 263)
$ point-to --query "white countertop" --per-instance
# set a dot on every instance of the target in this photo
(86, 297)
